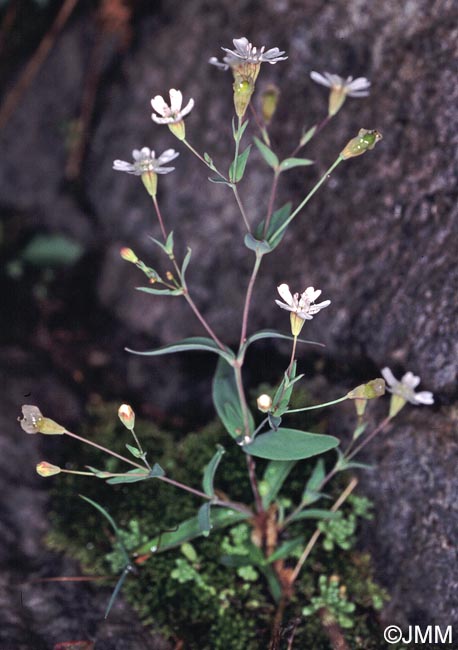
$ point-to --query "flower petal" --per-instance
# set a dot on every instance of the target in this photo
(285, 293)
(319, 79)
(389, 377)
(159, 104)
(188, 108)
(176, 100)
(410, 380)
(424, 397)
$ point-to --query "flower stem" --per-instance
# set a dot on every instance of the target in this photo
(372, 435)
(107, 451)
(319, 406)
(159, 217)
(270, 207)
(213, 168)
(254, 483)
(308, 197)
(313, 540)
(248, 297)
(241, 208)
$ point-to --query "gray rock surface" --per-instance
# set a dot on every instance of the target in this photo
(380, 240)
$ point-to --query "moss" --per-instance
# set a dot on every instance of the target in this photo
(187, 593)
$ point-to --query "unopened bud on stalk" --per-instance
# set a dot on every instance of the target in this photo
(46, 469)
(264, 403)
(373, 389)
(128, 255)
(269, 102)
(364, 141)
(127, 416)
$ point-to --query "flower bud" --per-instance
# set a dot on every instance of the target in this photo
(46, 469)
(269, 101)
(149, 179)
(128, 255)
(364, 141)
(264, 403)
(127, 416)
(373, 389)
(243, 90)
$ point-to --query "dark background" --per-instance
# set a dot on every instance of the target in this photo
(380, 240)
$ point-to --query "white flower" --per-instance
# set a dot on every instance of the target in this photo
(145, 161)
(302, 305)
(244, 52)
(351, 87)
(406, 388)
(170, 114)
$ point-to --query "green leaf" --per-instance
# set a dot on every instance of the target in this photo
(112, 523)
(273, 334)
(209, 471)
(132, 476)
(156, 471)
(316, 513)
(285, 549)
(227, 402)
(134, 451)
(98, 473)
(276, 473)
(236, 172)
(308, 135)
(273, 582)
(282, 396)
(189, 529)
(258, 246)
(236, 561)
(168, 246)
(290, 444)
(219, 179)
(203, 517)
(161, 292)
(238, 133)
(279, 217)
(185, 265)
(290, 163)
(116, 590)
(269, 156)
(52, 250)
(209, 160)
(316, 478)
(193, 343)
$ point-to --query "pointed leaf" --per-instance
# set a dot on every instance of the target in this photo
(316, 478)
(203, 517)
(283, 394)
(111, 521)
(308, 135)
(168, 246)
(273, 334)
(285, 549)
(193, 343)
(290, 444)
(237, 171)
(116, 590)
(289, 163)
(227, 402)
(279, 217)
(189, 529)
(161, 292)
(219, 179)
(269, 156)
(259, 246)
(156, 471)
(134, 451)
(98, 473)
(276, 473)
(210, 470)
(185, 265)
(238, 133)
(132, 476)
(316, 513)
